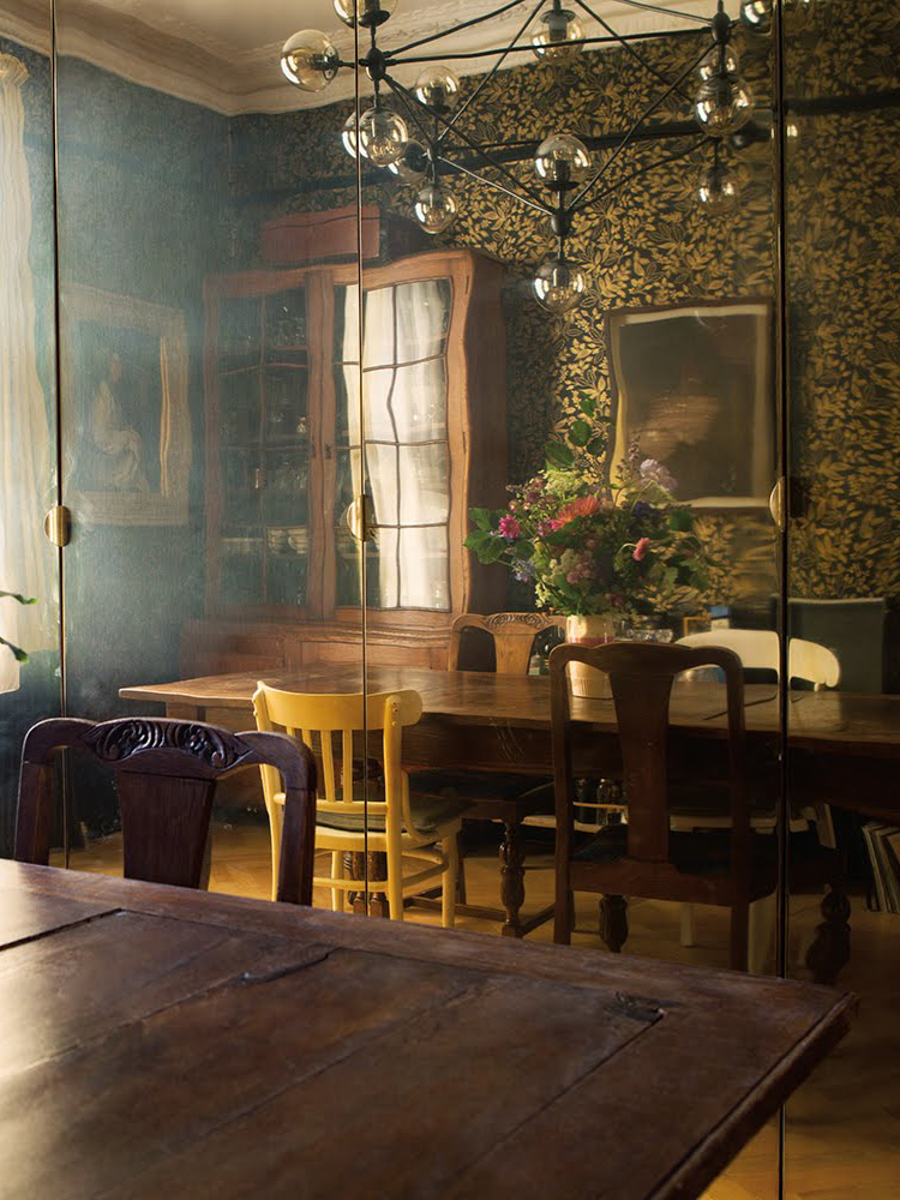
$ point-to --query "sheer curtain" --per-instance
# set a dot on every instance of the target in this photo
(405, 406)
(26, 453)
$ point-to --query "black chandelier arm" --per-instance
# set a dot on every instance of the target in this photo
(434, 37)
(661, 99)
(626, 45)
(588, 41)
(412, 107)
(636, 174)
(498, 187)
(494, 69)
(470, 142)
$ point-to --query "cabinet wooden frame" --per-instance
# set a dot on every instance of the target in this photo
(476, 429)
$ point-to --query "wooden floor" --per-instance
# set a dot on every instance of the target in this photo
(843, 1126)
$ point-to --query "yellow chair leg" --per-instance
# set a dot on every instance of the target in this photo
(337, 872)
(276, 820)
(448, 891)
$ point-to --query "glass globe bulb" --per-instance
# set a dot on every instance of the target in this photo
(560, 30)
(723, 105)
(435, 208)
(562, 159)
(718, 188)
(309, 60)
(757, 14)
(348, 136)
(558, 284)
(364, 12)
(711, 64)
(412, 165)
(382, 136)
(437, 87)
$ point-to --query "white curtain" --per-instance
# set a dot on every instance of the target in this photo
(404, 405)
(26, 454)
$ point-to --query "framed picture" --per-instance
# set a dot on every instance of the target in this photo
(693, 387)
(125, 368)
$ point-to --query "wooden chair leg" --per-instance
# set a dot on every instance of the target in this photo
(563, 916)
(614, 922)
(740, 920)
(337, 872)
(830, 950)
(760, 934)
(461, 869)
(448, 891)
(687, 925)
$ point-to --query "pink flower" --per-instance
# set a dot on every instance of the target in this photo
(509, 528)
(640, 549)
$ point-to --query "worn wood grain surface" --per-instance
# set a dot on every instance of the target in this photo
(182, 1044)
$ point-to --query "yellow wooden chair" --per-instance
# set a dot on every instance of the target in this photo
(419, 828)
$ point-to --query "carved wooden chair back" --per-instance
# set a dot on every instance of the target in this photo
(501, 642)
(166, 774)
(757, 649)
(641, 676)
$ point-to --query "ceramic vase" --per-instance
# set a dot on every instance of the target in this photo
(590, 631)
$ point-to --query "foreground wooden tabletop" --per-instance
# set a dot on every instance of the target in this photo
(157, 1042)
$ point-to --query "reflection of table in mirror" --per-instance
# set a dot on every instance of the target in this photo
(842, 749)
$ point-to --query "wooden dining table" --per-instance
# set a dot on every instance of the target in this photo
(163, 1042)
(842, 749)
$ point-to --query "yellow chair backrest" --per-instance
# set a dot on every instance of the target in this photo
(317, 719)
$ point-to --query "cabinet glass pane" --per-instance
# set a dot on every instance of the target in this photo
(424, 473)
(419, 401)
(424, 555)
(422, 316)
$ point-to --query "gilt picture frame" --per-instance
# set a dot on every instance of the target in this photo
(693, 386)
(125, 409)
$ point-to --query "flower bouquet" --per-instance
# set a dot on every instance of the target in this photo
(595, 548)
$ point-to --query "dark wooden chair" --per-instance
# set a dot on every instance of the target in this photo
(729, 867)
(166, 774)
(504, 643)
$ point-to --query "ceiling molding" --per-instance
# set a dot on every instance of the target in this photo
(210, 54)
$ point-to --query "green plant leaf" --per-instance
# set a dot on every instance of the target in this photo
(681, 519)
(18, 653)
(558, 455)
(482, 517)
(596, 446)
(580, 433)
(21, 599)
(589, 404)
(492, 550)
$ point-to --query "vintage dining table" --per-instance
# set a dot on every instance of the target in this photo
(164, 1042)
(843, 749)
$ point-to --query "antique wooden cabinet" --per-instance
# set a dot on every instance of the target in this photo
(285, 451)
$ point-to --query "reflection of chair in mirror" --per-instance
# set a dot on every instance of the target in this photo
(504, 643)
(402, 824)
(731, 867)
(808, 662)
(646, 858)
(166, 774)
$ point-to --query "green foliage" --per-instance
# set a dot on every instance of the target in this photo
(17, 652)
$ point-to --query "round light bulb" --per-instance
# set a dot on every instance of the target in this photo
(712, 63)
(364, 12)
(558, 284)
(437, 88)
(349, 137)
(435, 208)
(723, 105)
(561, 160)
(382, 136)
(560, 30)
(718, 188)
(412, 165)
(309, 60)
(757, 14)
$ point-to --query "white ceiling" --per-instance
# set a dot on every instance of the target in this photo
(224, 53)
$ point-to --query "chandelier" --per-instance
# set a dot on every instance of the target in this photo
(419, 133)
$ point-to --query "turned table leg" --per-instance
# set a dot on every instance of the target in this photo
(512, 878)
(830, 950)
(614, 922)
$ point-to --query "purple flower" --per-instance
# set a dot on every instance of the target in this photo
(654, 472)
(642, 509)
(524, 571)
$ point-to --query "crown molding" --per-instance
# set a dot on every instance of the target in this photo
(210, 64)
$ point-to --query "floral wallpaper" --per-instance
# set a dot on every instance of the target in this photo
(650, 243)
